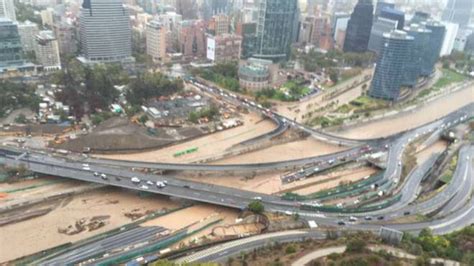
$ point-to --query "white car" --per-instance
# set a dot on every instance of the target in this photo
(149, 183)
(86, 168)
(160, 184)
(135, 180)
(353, 219)
(96, 174)
(144, 187)
(257, 198)
(104, 176)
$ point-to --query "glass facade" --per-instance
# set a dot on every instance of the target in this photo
(458, 11)
(10, 44)
(359, 27)
(438, 31)
(419, 54)
(380, 27)
(277, 28)
(393, 14)
(391, 66)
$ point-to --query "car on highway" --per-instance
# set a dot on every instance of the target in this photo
(186, 186)
(380, 218)
(368, 218)
(96, 174)
(257, 198)
(144, 187)
(160, 184)
(149, 183)
(135, 180)
(353, 219)
(341, 223)
(406, 213)
(117, 178)
(104, 176)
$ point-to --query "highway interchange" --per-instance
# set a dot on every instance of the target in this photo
(452, 208)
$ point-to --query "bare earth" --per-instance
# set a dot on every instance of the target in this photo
(41, 233)
(287, 151)
(425, 114)
(208, 146)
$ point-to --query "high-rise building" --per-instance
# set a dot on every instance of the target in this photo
(339, 23)
(419, 54)
(187, 8)
(394, 14)
(359, 27)
(382, 5)
(156, 40)
(47, 50)
(47, 17)
(10, 44)
(215, 7)
(469, 48)
(420, 17)
(391, 66)
(192, 38)
(28, 31)
(380, 27)
(224, 47)
(105, 32)
(315, 30)
(7, 9)
(219, 24)
(458, 11)
(452, 30)
(438, 32)
(277, 28)
(66, 35)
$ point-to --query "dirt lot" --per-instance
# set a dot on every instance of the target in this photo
(425, 114)
(208, 146)
(271, 183)
(437, 147)
(288, 151)
(40, 233)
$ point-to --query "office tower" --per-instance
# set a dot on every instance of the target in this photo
(394, 14)
(67, 38)
(458, 11)
(7, 9)
(47, 50)
(359, 27)
(391, 66)
(28, 31)
(469, 48)
(277, 28)
(249, 39)
(382, 5)
(339, 23)
(187, 8)
(452, 30)
(420, 17)
(105, 32)
(419, 54)
(156, 40)
(438, 31)
(10, 44)
(380, 27)
(215, 7)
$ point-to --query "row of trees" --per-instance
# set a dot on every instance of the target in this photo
(151, 85)
(17, 95)
(223, 74)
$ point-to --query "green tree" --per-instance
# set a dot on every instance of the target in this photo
(290, 249)
(356, 245)
(21, 119)
(256, 206)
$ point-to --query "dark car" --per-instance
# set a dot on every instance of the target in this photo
(406, 213)
(368, 218)
(341, 223)
(380, 218)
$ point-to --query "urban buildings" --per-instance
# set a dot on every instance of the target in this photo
(458, 11)
(315, 30)
(438, 31)
(7, 9)
(391, 65)
(169, 20)
(105, 32)
(419, 54)
(47, 50)
(187, 8)
(382, 5)
(11, 54)
(469, 48)
(215, 7)
(224, 47)
(359, 27)
(47, 17)
(219, 24)
(452, 30)
(254, 75)
(156, 40)
(28, 31)
(192, 38)
(379, 28)
(66, 35)
(277, 28)
(394, 14)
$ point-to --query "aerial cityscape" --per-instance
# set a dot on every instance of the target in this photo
(237, 132)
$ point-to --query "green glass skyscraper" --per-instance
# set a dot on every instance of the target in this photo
(277, 28)
(10, 44)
